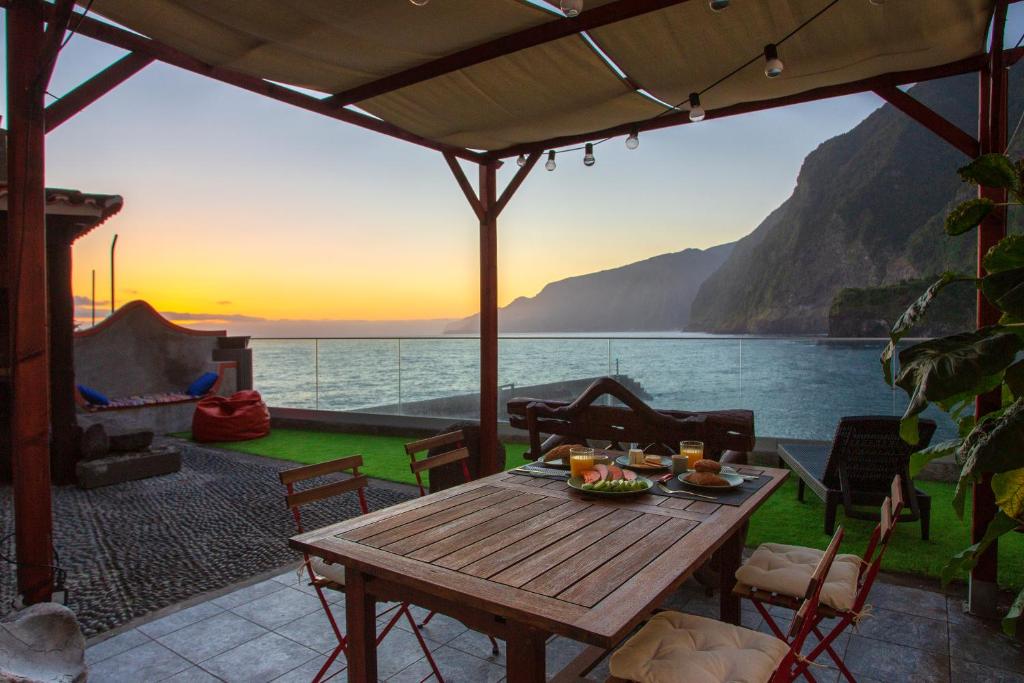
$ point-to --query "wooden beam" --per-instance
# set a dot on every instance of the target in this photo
(680, 118)
(489, 320)
(24, 263)
(516, 181)
(467, 189)
(930, 119)
(53, 40)
(133, 42)
(96, 87)
(589, 19)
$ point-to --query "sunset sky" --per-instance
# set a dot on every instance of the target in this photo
(236, 205)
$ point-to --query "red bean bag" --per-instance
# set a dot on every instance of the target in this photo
(238, 417)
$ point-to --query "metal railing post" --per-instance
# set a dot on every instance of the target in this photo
(399, 375)
(316, 373)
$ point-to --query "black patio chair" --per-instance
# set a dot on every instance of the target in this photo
(857, 470)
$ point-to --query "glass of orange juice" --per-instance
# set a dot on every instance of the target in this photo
(580, 459)
(692, 450)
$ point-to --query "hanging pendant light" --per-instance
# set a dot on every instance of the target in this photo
(521, 161)
(571, 8)
(697, 112)
(718, 5)
(772, 64)
(550, 164)
(588, 155)
(633, 141)
(419, 3)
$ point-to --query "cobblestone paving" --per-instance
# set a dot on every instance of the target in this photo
(133, 548)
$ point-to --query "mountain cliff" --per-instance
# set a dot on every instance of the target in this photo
(649, 295)
(867, 211)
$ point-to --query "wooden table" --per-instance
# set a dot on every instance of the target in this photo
(522, 558)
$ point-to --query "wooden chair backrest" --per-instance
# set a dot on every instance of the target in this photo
(296, 499)
(803, 621)
(458, 454)
(868, 451)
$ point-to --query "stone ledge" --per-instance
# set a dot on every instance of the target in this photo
(116, 469)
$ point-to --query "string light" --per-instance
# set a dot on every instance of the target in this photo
(550, 164)
(696, 110)
(419, 3)
(877, 3)
(633, 141)
(718, 5)
(772, 64)
(521, 161)
(571, 7)
(588, 155)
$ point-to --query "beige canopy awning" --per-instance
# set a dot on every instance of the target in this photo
(561, 87)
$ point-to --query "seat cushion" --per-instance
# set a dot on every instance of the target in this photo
(334, 572)
(683, 648)
(787, 570)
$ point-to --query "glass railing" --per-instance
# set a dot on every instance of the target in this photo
(798, 387)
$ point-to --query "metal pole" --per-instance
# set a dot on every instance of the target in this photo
(113, 246)
(316, 373)
(93, 297)
(399, 376)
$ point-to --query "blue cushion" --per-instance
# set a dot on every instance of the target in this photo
(92, 396)
(202, 385)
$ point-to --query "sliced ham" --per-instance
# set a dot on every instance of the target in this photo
(628, 475)
(615, 472)
(591, 476)
(602, 470)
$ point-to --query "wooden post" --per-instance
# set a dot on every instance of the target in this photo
(25, 268)
(63, 423)
(488, 196)
(992, 132)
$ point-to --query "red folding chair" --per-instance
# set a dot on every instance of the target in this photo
(458, 453)
(849, 596)
(706, 649)
(324, 575)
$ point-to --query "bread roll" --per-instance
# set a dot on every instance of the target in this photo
(561, 452)
(707, 466)
(706, 479)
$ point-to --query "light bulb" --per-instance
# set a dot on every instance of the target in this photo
(633, 141)
(521, 161)
(571, 7)
(718, 5)
(877, 3)
(772, 64)
(419, 3)
(588, 155)
(696, 111)
(550, 165)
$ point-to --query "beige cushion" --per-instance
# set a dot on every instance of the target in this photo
(683, 648)
(787, 570)
(334, 572)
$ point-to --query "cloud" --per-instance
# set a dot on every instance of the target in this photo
(227, 317)
(223, 303)
(86, 301)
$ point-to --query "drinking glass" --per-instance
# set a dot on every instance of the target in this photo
(580, 459)
(693, 450)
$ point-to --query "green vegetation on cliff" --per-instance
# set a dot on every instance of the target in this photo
(872, 311)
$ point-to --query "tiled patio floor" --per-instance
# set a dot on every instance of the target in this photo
(274, 630)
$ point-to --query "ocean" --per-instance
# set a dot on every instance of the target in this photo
(798, 387)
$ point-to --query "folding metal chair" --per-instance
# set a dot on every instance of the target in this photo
(324, 575)
(868, 567)
(706, 649)
(458, 453)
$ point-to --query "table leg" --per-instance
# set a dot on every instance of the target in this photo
(524, 655)
(729, 557)
(361, 623)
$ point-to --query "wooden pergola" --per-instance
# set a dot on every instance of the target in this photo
(507, 49)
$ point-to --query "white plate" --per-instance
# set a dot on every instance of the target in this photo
(733, 479)
(623, 461)
(577, 483)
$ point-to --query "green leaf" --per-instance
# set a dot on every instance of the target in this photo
(994, 446)
(992, 170)
(1009, 490)
(966, 559)
(967, 215)
(941, 369)
(1005, 290)
(912, 316)
(921, 458)
(1006, 254)
(1010, 620)
(1015, 379)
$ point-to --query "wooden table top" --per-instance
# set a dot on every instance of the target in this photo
(534, 551)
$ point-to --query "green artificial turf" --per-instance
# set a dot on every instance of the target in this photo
(383, 456)
(782, 519)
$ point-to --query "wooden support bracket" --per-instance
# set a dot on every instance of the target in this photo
(930, 119)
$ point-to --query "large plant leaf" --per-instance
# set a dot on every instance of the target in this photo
(912, 316)
(941, 369)
(1007, 254)
(994, 446)
(966, 559)
(1015, 379)
(1009, 490)
(1005, 290)
(992, 170)
(940, 450)
(1012, 616)
(967, 215)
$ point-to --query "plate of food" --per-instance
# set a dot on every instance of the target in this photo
(610, 480)
(651, 462)
(708, 474)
